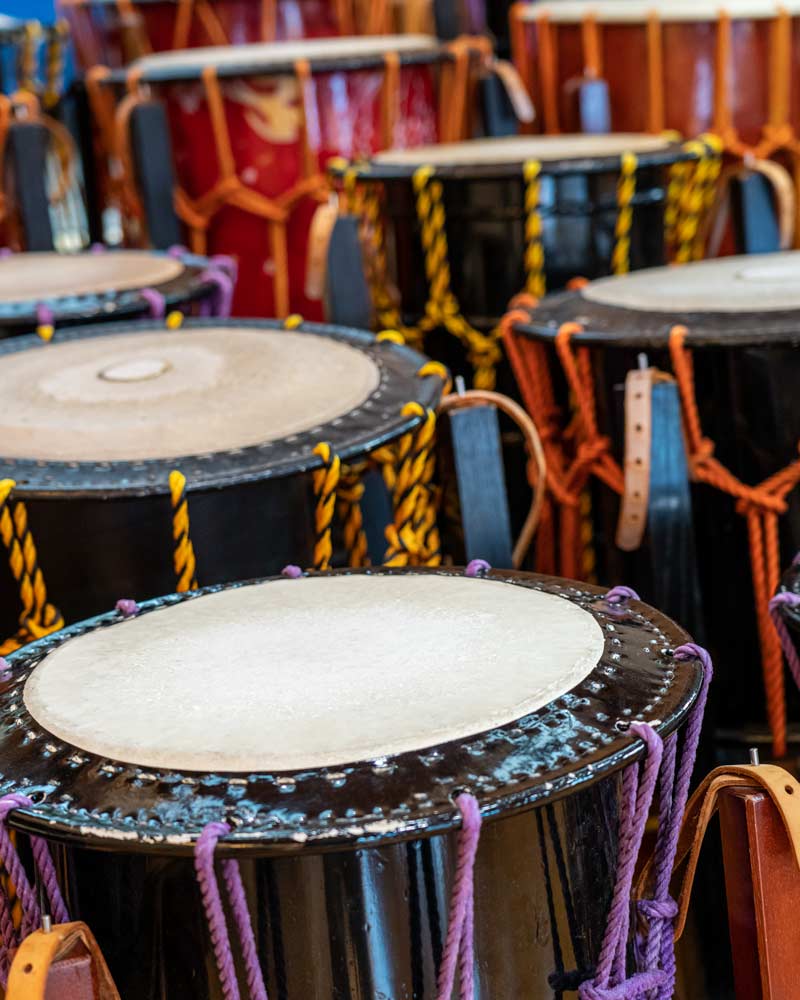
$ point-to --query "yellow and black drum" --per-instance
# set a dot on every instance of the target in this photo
(452, 232)
(142, 457)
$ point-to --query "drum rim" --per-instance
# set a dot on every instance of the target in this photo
(424, 794)
(317, 65)
(552, 13)
(605, 325)
(369, 170)
(189, 286)
(375, 422)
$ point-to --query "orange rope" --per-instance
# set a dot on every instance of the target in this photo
(655, 74)
(592, 48)
(389, 98)
(183, 23)
(548, 72)
(269, 16)
(520, 50)
(761, 505)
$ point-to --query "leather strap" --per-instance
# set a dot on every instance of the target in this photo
(638, 436)
(514, 86)
(784, 196)
(783, 789)
(49, 959)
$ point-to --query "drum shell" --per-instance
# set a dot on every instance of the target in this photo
(747, 406)
(690, 78)
(485, 227)
(264, 124)
(94, 550)
(102, 36)
(369, 922)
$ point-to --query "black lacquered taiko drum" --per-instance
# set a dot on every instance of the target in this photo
(454, 231)
(723, 334)
(139, 457)
(47, 290)
(322, 730)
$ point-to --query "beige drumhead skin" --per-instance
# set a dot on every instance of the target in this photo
(174, 393)
(313, 672)
(756, 283)
(638, 11)
(519, 149)
(38, 276)
(267, 54)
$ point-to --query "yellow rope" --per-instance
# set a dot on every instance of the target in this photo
(183, 554)
(404, 546)
(534, 248)
(326, 481)
(37, 618)
(292, 322)
(426, 528)
(350, 493)
(626, 189)
(174, 320)
(46, 331)
(697, 197)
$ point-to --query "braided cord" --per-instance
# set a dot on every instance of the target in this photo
(626, 189)
(183, 554)
(404, 548)
(326, 481)
(350, 493)
(697, 196)
(534, 248)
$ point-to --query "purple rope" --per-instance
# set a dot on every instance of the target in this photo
(478, 567)
(6, 252)
(31, 916)
(292, 572)
(610, 981)
(223, 289)
(47, 872)
(127, 607)
(212, 904)
(177, 251)
(458, 949)
(789, 600)
(618, 595)
(98, 248)
(229, 265)
(241, 916)
(44, 315)
(155, 301)
(5, 669)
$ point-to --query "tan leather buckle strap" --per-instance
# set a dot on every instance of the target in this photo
(36, 964)
(638, 436)
(783, 789)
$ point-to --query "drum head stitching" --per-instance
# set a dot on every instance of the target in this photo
(578, 738)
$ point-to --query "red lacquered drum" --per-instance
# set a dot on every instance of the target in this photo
(254, 126)
(45, 291)
(115, 32)
(669, 64)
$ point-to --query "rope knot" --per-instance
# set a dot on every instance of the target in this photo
(9, 803)
(658, 909)
(760, 502)
(636, 987)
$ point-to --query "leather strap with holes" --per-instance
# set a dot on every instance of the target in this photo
(638, 435)
(35, 966)
(778, 783)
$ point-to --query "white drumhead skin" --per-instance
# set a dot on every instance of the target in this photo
(313, 672)
(518, 149)
(267, 54)
(168, 394)
(33, 277)
(758, 283)
(638, 11)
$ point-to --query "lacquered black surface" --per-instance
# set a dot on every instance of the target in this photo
(104, 530)
(610, 326)
(190, 286)
(572, 742)
(746, 373)
(377, 420)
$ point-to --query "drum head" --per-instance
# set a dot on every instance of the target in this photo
(115, 408)
(264, 58)
(733, 301)
(638, 11)
(89, 284)
(332, 708)
(505, 156)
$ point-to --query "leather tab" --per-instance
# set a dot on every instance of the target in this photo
(64, 963)
(638, 439)
(782, 788)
